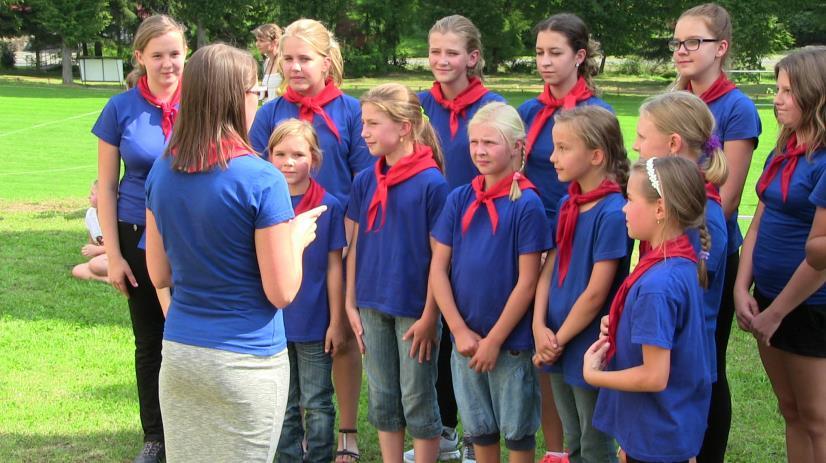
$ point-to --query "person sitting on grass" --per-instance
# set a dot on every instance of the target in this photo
(96, 267)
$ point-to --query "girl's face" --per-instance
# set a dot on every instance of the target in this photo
(382, 134)
(93, 196)
(556, 61)
(448, 57)
(304, 69)
(788, 111)
(266, 46)
(571, 158)
(490, 151)
(640, 213)
(293, 157)
(650, 142)
(163, 57)
(706, 59)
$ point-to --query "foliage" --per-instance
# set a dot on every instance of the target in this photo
(758, 31)
(808, 25)
(6, 55)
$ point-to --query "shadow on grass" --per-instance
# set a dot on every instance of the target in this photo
(116, 446)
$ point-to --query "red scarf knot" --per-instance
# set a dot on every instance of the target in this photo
(308, 106)
(500, 189)
(419, 160)
(792, 153)
(312, 198)
(718, 89)
(457, 106)
(579, 92)
(169, 109)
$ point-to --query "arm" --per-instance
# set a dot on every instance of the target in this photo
(423, 331)
(738, 158)
(590, 302)
(92, 250)
(518, 303)
(651, 376)
(157, 262)
(120, 274)
(744, 304)
(816, 244)
(335, 337)
(350, 306)
(466, 340)
(545, 342)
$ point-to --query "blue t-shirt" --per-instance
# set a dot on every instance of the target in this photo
(600, 235)
(131, 124)
(784, 228)
(663, 309)
(393, 261)
(737, 119)
(342, 159)
(716, 271)
(459, 168)
(479, 256)
(539, 168)
(207, 221)
(306, 319)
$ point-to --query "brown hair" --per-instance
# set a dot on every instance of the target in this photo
(806, 69)
(267, 31)
(576, 31)
(686, 115)
(301, 129)
(505, 119)
(402, 105)
(684, 197)
(321, 40)
(213, 106)
(718, 22)
(598, 128)
(151, 27)
(465, 29)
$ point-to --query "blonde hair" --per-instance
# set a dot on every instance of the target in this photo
(269, 32)
(213, 106)
(576, 32)
(806, 69)
(505, 119)
(686, 115)
(151, 27)
(402, 105)
(718, 21)
(684, 196)
(598, 128)
(301, 129)
(322, 42)
(467, 31)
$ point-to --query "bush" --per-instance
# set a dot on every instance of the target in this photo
(6, 55)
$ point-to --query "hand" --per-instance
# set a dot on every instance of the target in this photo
(594, 359)
(763, 326)
(120, 274)
(745, 308)
(354, 319)
(423, 335)
(304, 225)
(335, 338)
(603, 327)
(484, 360)
(466, 341)
(89, 250)
(547, 346)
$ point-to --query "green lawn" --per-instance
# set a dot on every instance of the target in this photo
(66, 378)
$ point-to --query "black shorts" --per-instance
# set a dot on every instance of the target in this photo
(802, 331)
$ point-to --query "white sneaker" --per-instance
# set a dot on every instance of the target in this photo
(448, 447)
(468, 454)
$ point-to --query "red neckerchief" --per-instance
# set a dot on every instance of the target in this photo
(791, 153)
(719, 88)
(502, 188)
(231, 149)
(311, 199)
(678, 247)
(169, 109)
(457, 106)
(579, 92)
(311, 105)
(420, 159)
(713, 193)
(569, 215)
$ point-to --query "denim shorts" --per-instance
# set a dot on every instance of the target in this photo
(503, 401)
(401, 391)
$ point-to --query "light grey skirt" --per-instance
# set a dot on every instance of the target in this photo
(221, 406)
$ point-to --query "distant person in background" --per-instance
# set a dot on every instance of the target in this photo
(267, 37)
(95, 269)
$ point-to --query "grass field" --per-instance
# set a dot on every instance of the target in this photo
(66, 378)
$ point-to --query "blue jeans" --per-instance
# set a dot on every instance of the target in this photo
(402, 391)
(311, 389)
(576, 406)
(504, 400)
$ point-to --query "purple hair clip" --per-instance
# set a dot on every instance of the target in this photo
(712, 145)
(703, 255)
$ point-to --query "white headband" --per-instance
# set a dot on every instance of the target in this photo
(652, 176)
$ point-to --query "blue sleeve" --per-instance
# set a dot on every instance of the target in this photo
(107, 127)
(262, 129)
(611, 238)
(271, 204)
(534, 233)
(436, 195)
(443, 230)
(818, 194)
(654, 320)
(338, 238)
(718, 230)
(359, 156)
(356, 193)
(744, 123)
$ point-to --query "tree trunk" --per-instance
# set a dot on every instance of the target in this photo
(67, 63)
(602, 64)
(37, 59)
(201, 36)
(85, 48)
(98, 48)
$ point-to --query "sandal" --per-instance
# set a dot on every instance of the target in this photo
(345, 455)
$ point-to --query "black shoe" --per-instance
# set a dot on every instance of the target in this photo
(153, 452)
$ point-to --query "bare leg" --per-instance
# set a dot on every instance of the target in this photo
(392, 446)
(347, 383)
(807, 376)
(487, 453)
(521, 456)
(551, 424)
(83, 272)
(426, 450)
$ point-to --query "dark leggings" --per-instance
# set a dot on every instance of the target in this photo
(629, 459)
(719, 416)
(147, 326)
(444, 383)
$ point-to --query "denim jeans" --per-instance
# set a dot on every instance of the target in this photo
(311, 389)
(576, 405)
(402, 391)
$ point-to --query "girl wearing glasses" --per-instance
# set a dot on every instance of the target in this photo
(701, 44)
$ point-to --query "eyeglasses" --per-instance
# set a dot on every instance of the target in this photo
(690, 44)
(258, 90)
